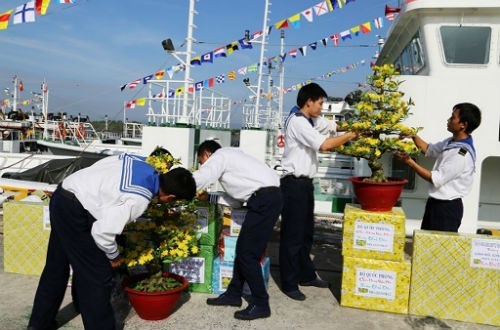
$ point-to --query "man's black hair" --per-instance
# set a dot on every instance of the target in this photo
(178, 182)
(470, 114)
(311, 91)
(208, 145)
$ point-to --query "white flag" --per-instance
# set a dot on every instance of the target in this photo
(25, 13)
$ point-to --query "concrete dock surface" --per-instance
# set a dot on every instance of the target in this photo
(321, 309)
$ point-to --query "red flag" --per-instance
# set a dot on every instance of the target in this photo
(20, 86)
(391, 10)
(41, 6)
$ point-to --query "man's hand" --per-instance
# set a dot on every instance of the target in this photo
(116, 262)
(402, 156)
(201, 195)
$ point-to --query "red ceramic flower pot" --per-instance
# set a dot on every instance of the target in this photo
(154, 305)
(377, 196)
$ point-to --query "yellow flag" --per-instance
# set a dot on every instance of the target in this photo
(141, 101)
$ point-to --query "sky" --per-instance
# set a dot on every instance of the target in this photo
(87, 50)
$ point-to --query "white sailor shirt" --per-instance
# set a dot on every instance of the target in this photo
(452, 173)
(302, 143)
(239, 174)
(105, 190)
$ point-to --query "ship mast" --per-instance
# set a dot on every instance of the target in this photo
(14, 95)
(187, 72)
(261, 61)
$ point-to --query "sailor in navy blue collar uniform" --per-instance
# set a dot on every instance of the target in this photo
(306, 133)
(245, 179)
(87, 210)
(452, 174)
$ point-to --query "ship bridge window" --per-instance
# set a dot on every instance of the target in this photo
(466, 44)
(411, 60)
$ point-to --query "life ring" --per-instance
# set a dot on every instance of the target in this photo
(60, 132)
(80, 131)
(281, 141)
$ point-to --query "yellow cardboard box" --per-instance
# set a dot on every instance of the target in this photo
(373, 235)
(26, 236)
(456, 276)
(376, 284)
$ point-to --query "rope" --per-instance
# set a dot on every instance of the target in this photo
(22, 160)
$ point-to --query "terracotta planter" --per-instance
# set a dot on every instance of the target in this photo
(154, 305)
(377, 196)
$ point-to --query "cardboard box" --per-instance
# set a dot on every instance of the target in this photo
(198, 270)
(373, 235)
(26, 237)
(456, 276)
(376, 284)
(223, 273)
(209, 219)
(228, 251)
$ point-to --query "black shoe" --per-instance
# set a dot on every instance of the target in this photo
(295, 295)
(253, 312)
(317, 282)
(225, 300)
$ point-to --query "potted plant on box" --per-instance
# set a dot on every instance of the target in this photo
(148, 248)
(377, 118)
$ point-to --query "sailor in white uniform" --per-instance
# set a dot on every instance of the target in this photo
(303, 140)
(245, 179)
(452, 174)
(87, 210)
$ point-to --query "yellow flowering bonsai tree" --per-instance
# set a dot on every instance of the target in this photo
(168, 233)
(377, 118)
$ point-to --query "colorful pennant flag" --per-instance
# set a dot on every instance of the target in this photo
(339, 3)
(313, 45)
(208, 57)
(256, 35)
(366, 27)
(147, 78)
(252, 68)
(198, 85)
(282, 24)
(130, 104)
(303, 50)
(25, 13)
(141, 101)
(66, 1)
(134, 83)
(41, 6)
(196, 60)
(245, 44)
(355, 30)
(308, 14)
(321, 8)
(232, 47)
(231, 75)
(20, 86)
(378, 22)
(209, 82)
(335, 39)
(4, 19)
(242, 71)
(220, 52)
(159, 74)
(295, 20)
(345, 34)
(293, 53)
(220, 79)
